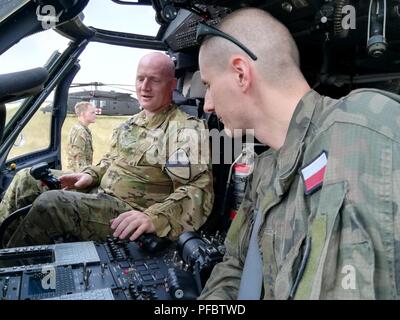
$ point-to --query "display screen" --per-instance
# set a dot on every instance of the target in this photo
(16, 259)
(36, 285)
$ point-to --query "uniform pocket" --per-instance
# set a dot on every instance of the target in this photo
(349, 266)
(323, 230)
(341, 264)
(177, 196)
(286, 276)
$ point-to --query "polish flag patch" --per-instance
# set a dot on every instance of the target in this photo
(313, 173)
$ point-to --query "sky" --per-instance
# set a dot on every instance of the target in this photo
(99, 62)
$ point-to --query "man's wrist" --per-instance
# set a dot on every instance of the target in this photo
(93, 174)
(160, 223)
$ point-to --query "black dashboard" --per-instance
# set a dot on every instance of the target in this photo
(115, 270)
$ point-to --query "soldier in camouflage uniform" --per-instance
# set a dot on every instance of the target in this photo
(80, 147)
(325, 195)
(154, 178)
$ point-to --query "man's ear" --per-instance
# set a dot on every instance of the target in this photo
(174, 82)
(242, 71)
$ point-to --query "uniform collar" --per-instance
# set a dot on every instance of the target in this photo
(291, 153)
(84, 127)
(154, 121)
(82, 124)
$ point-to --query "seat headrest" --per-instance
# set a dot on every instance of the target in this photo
(178, 98)
(17, 85)
(197, 88)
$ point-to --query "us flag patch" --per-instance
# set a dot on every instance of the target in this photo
(313, 173)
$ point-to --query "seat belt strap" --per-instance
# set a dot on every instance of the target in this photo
(252, 276)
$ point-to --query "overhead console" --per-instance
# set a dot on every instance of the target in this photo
(298, 15)
(315, 18)
(181, 32)
(342, 43)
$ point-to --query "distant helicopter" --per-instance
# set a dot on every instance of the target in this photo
(110, 103)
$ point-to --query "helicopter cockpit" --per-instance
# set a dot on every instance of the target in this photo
(343, 45)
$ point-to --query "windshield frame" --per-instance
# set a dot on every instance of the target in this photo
(14, 6)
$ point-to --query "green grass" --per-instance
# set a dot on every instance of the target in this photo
(101, 133)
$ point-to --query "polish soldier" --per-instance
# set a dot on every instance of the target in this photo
(320, 218)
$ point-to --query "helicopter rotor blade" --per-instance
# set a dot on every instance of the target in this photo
(100, 84)
(87, 84)
(118, 87)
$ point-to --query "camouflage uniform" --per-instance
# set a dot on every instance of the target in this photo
(22, 191)
(138, 173)
(352, 222)
(79, 148)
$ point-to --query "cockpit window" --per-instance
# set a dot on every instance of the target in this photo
(8, 7)
(36, 135)
(31, 52)
(105, 14)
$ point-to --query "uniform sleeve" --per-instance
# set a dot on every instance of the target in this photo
(78, 156)
(188, 166)
(101, 167)
(355, 232)
(224, 281)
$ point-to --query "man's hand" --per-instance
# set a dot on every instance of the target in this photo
(76, 181)
(133, 223)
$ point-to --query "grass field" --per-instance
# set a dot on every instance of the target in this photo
(36, 134)
(101, 133)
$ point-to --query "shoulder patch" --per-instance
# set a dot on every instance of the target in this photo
(178, 164)
(313, 173)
